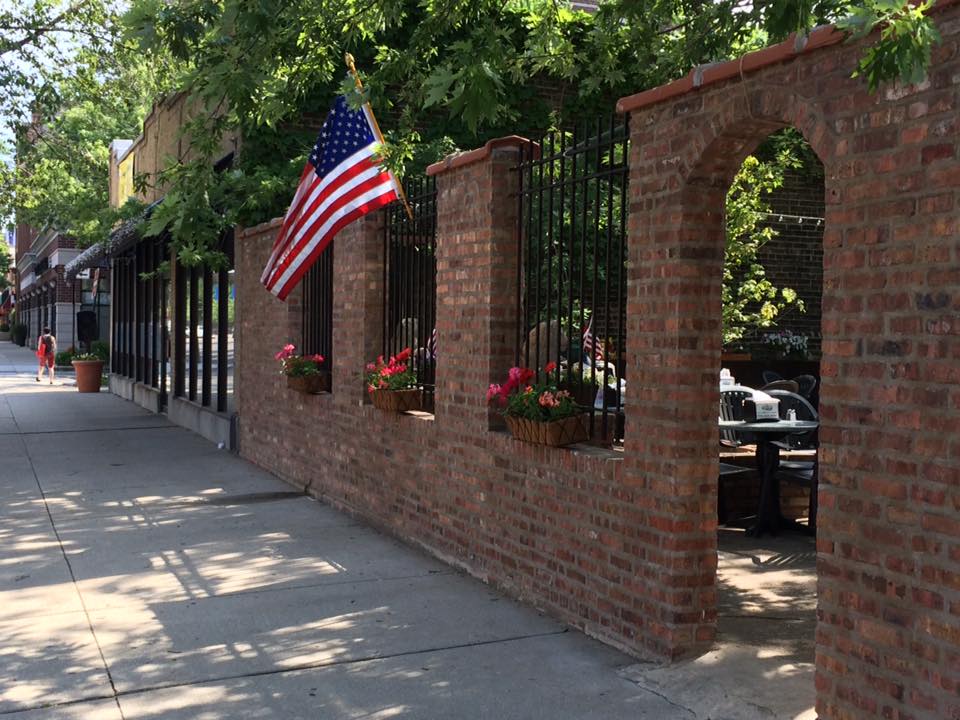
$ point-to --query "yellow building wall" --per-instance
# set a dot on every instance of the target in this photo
(125, 179)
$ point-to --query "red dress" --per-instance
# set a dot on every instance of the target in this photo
(45, 358)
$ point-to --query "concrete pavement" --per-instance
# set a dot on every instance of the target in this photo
(146, 574)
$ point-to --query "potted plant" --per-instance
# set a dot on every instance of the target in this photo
(393, 384)
(18, 333)
(305, 373)
(89, 369)
(540, 413)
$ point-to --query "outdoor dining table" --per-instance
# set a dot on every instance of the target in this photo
(769, 516)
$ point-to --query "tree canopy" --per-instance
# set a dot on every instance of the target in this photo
(440, 73)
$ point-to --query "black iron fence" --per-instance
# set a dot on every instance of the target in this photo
(318, 308)
(410, 282)
(572, 299)
(140, 297)
(203, 332)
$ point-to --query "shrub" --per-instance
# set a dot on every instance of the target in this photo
(101, 350)
(64, 356)
(18, 333)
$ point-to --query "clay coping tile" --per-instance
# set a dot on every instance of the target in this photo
(704, 75)
(471, 156)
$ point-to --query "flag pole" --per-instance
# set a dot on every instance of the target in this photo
(348, 58)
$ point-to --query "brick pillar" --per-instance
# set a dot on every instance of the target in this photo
(476, 278)
(676, 244)
(357, 305)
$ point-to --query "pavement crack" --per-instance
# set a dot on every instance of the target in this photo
(337, 663)
(66, 559)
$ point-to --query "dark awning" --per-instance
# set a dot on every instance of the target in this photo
(121, 239)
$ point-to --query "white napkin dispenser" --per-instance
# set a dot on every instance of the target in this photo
(761, 408)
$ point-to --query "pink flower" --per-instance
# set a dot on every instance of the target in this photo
(371, 367)
(548, 400)
(287, 352)
(493, 392)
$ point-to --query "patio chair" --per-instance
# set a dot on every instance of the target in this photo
(731, 408)
(770, 376)
(806, 384)
(799, 472)
(788, 385)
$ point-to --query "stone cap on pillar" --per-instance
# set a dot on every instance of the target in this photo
(459, 159)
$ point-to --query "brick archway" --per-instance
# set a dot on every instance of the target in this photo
(887, 588)
(681, 173)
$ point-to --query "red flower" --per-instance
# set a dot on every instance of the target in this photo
(551, 366)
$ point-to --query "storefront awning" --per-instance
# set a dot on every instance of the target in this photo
(121, 239)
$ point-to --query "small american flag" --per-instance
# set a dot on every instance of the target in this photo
(341, 182)
(432, 345)
(591, 348)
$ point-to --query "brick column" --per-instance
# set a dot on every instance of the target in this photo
(476, 278)
(357, 305)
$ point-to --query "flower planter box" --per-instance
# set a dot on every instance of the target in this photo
(309, 384)
(89, 373)
(396, 400)
(556, 433)
(4, 335)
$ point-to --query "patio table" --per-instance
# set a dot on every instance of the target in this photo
(769, 517)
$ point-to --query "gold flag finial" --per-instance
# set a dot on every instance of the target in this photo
(348, 59)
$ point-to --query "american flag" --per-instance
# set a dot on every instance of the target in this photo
(591, 348)
(341, 182)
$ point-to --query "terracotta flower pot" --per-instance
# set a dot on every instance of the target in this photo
(309, 384)
(88, 375)
(555, 433)
(396, 400)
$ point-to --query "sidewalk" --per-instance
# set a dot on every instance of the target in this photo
(144, 574)
(15, 359)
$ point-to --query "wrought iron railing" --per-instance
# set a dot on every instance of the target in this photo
(571, 302)
(203, 332)
(140, 297)
(410, 282)
(318, 308)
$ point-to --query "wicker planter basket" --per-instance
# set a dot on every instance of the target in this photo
(557, 433)
(309, 384)
(396, 400)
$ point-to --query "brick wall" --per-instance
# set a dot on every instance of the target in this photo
(888, 635)
(557, 528)
(624, 546)
(794, 258)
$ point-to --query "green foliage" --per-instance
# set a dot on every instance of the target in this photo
(750, 301)
(5, 262)
(61, 177)
(458, 72)
(64, 357)
(100, 350)
(46, 42)
(907, 36)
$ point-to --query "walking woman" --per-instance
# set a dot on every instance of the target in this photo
(46, 353)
